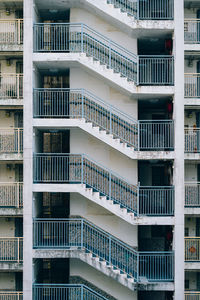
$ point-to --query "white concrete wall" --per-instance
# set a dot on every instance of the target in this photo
(78, 15)
(7, 172)
(80, 206)
(4, 16)
(7, 119)
(78, 268)
(7, 281)
(7, 227)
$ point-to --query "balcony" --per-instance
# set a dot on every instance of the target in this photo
(79, 38)
(6, 295)
(192, 31)
(11, 198)
(192, 142)
(64, 291)
(192, 85)
(192, 295)
(81, 104)
(73, 234)
(192, 249)
(11, 89)
(192, 194)
(11, 143)
(11, 35)
(80, 169)
(11, 250)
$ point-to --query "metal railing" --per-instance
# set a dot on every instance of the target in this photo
(192, 85)
(79, 103)
(11, 32)
(77, 37)
(6, 295)
(156, 70)
(192, 295)
(73, 233)
(11, 86)
(11, 140)
(192, 249)
(76, 168)
(192, 194)
(155, 201)
(146, 10)
(156, 135)
(73, 103)
(11, 194)
(64, 291)
(192, 31)
(11, 249)
(192, 140)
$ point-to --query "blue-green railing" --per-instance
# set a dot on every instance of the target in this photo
(146, 10)
(80, 169)
(80, 38)
(64, 292)
(79, 233)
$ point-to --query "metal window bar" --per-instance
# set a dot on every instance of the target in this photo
(146, 10)
(11, 249)
(64, 292)
(192, 31)
(73, 233)
(11, 194)
(192, 295)
(192, 85)
(192, 140)
(192, 194)
(11, 295)
(192, 249)
(156, 70)
(11, 86)
(156, 135)
(76, 37)
(11, 32)
(72, 168)
(11, 140)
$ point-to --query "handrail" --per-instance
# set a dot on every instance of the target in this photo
(11, 140)
(11, 31)
(11, 194)
(11, 249)
(11, 85)
(74, 290)
(78, 232)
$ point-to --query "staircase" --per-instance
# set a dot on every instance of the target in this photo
(79, 39)
(120, 258)
(65, 291)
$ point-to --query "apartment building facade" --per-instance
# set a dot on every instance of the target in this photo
(100, 190)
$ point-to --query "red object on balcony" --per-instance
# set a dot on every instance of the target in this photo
(192, 249)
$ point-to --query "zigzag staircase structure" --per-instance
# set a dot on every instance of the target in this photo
(97, 247)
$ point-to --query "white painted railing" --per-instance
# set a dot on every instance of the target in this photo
(11, 140)
(192, 85)
(192, 249)
(11, 249)
(192, 140)
(192, 31)
(8, 295)
(11, 194)
(192, 194)
(11, 86)
(11, 32)
(192, 295)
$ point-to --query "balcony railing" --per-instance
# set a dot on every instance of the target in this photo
(11, 140)
(192, 140)
(79, 38)
(192, 249)
(146, 10)
(6, 295)
(11, 249)
(156, 135)
(192, 85)
(65, 291)
(156, 70)
(11, 32)
(156, 201)
(11, 194)
(80, 169)
(192, 31)
(192, 295)
(73, 103)
(73, 233)
(11, 86)
(192, 194)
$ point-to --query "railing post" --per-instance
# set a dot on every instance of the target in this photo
(109, 56)
(82, 233)
(81, 169)
(138, 199)
(81, 292)
(81, 37)
(109, 256)
(18, 194)
(18, 140)
(18, 26)
(18, 85)
(110, 120)
(138, 263)
(138, 69)
(18, 258)
(82, 98)
(138, 147)
(110, 185)
(138, 9)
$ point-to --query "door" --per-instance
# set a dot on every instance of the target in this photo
(158, 174)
